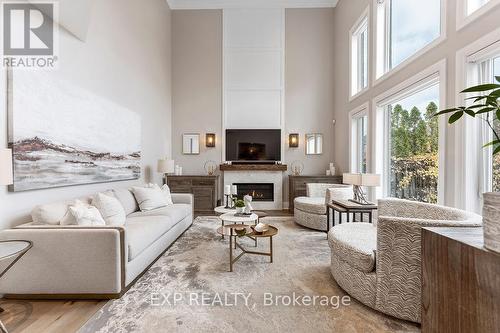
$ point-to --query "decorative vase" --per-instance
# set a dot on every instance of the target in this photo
(491, 221)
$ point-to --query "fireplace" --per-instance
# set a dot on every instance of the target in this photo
(258, 191)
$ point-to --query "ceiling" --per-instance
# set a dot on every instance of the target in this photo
(219, 4)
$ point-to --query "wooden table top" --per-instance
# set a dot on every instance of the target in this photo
(346, 204)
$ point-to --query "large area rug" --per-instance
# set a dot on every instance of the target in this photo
(189, 289)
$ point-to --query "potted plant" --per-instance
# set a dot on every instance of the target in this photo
(485, 107)
(239, 204)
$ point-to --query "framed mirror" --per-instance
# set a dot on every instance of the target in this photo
(314, 144)
(190, 144)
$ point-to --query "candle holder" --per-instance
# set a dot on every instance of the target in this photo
(229, 201)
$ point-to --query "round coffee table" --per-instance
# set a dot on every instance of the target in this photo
(242, 219)
(224, 210)
(232, 230)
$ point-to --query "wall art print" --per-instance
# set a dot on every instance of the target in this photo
(64, 135)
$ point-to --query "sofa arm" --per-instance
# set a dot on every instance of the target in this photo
(182, 198)
(84, 262)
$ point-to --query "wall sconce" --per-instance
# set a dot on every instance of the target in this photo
(210, 140)
(293, 140)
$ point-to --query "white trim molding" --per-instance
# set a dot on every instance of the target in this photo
(360, 111)
(463, 19)
(379, 129)
(223, 4)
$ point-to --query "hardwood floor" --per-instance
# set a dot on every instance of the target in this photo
(57, 316)
(46, 316)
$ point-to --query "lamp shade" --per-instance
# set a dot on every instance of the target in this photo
(6, 167)
(166, 166)
(361, 179)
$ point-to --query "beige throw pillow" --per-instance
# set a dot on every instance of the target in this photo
(149, 198)
(110, 208)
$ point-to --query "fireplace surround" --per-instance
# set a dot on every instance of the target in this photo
(258, 191)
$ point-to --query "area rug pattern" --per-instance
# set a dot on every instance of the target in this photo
(197, 264)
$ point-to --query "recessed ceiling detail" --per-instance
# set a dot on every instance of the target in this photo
(220, 4)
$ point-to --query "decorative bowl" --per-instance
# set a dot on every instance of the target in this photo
(261, 227)
(240, 231)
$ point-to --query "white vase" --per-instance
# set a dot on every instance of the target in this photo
(491, 221)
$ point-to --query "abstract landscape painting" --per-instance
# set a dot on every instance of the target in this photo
(64, 135)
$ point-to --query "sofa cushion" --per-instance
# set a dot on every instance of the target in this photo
(142, 231)
(127, 199)
(54, 213)
(110, 208)
(175, 211)
(355, 243)
(314, 205)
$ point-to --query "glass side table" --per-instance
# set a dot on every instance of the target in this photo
(10, 252)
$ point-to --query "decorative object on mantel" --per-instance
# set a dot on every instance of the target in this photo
(314, 144)
(63, 135)
(210, 140)
(332, 169)
(485, 107)
(191, 144)
(358, 180)
(293, 140)
(297, 168)
(210, 167)
(165, 166)
(6, 167)
(248, 204)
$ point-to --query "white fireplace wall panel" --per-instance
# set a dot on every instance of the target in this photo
(274, 177)
(253, 68)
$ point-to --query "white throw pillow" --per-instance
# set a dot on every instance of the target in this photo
(110, 208)
(86, 215)
(166, 193)
(149, 198)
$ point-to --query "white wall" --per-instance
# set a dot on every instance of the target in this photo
(119, 63)
(345, 15)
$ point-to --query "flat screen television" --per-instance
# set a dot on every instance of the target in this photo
(253, 145)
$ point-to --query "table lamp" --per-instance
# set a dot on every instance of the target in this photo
(6, 177)
(357, 180)
(165, 167)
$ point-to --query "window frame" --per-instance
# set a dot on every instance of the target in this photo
(464, 19)
(416, 83)
(354, 149)
(467, 194)
(381, 70)
(361, 22)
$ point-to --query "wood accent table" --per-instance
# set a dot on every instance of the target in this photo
(460, 282)
(205, 190)
(230, 230)
(297, 185)
(348, 207)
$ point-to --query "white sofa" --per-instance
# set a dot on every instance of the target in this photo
(70, 261)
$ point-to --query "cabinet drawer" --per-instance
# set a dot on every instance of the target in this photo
(203, 182)
(180, 189)
(179, 182)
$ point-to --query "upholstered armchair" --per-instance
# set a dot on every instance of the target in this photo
(381, 265)
(310, 211)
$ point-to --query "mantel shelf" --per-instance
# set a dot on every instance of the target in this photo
(253, 167)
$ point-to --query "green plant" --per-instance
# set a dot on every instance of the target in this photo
(238, 203)
(484, 106)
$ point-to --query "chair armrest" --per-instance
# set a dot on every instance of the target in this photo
(67, 261)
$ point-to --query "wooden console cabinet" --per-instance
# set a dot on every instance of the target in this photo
(460, 282)
(297, 185)
(205, 190)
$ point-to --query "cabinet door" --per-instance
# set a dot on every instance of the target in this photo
(203, 198)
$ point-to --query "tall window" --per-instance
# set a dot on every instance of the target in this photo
(359, 141)
(359, 55)
(412, 141)
(473, 5)
(404, 27)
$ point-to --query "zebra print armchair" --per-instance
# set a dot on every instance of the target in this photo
(381, 265)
